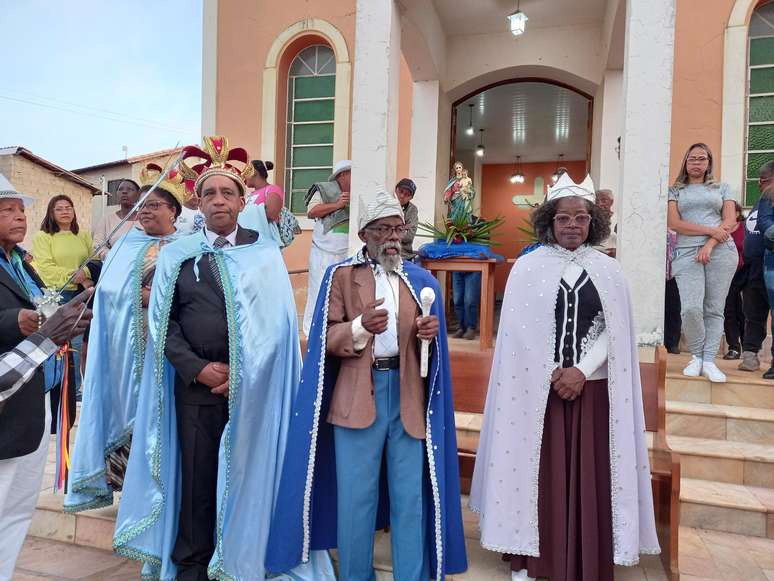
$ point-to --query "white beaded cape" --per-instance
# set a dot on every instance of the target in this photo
(505, 480)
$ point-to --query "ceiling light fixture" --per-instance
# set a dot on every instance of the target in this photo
(517, 21)
(480, 149)
(517, 177)
(470, 130)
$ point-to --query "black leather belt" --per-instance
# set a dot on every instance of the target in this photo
(384, 363)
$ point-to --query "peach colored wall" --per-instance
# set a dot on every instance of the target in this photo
(496, 200)
(404, 121)
(698, 76)
(246, 30)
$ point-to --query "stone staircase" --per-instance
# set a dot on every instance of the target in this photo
(724, 434)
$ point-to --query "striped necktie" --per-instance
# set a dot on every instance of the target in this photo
(220, 242)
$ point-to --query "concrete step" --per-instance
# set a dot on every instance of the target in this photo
(748, 391)
(732, 508)
(725, 461)
(721, 422)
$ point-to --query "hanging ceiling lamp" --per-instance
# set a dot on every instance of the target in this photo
(470, 130)
(480, 149)
(556, 175)
(517, 21)
(517, 177)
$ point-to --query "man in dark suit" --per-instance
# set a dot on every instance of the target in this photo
(198, 348)
(25, 414)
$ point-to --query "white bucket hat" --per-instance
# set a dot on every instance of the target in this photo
(8, 192)
(343, 165)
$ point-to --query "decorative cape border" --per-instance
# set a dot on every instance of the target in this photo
(112, 379)
(505, 478)
(263, 375)
(305, 513)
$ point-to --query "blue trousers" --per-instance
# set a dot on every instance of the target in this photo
(467, 298)
(358, 465)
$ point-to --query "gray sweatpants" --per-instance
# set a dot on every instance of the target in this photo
(703, 291)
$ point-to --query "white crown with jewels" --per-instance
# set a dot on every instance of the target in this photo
(565, 187)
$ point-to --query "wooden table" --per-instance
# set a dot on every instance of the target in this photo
(486, 266)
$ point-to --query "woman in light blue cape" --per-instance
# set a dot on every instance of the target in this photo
(264, 371)
(113, 372)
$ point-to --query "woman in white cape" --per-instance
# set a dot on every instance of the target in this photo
(562, 478)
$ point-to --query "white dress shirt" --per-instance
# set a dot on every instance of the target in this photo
(212, 236)
(386, 343)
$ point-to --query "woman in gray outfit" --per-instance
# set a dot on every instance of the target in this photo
(702, 213)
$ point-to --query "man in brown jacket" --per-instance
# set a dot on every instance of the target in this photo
(378, 403)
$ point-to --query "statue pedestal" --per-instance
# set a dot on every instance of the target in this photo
(486, 266)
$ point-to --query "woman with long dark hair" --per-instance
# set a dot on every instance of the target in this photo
(60, 249)
(702, 212)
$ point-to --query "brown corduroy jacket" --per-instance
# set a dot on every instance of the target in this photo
(353, 404)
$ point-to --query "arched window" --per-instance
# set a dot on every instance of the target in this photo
(760, 119)
(309, 138)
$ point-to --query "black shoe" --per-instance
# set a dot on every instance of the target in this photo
(769, 374)
(673, 350)
(732, 354)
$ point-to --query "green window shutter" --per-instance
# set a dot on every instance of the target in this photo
(761, 51)
(761, 81)
(313, 156)
(313, 134)
(315, 87)
(754, 163)
(760, 137)
(752, 192)
(761, 109)
(313, 111)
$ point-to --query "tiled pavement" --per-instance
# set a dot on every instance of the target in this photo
(704, 555)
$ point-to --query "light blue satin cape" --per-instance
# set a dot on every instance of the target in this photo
(265, 362)
(254, 218)
(113, 371)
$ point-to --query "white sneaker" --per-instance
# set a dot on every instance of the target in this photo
(521, 576)
(711, 372)
(694, 368)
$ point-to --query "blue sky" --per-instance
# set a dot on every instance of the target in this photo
(82, 78)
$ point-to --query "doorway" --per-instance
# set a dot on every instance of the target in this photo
(531, 128)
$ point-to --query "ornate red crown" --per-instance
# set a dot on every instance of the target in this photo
(216, 158)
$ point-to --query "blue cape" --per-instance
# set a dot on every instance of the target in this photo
(113, 371)
(305, 514)
(265, 360)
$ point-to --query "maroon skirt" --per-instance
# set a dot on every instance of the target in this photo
(574, 514)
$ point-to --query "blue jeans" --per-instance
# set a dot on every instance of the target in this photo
(467, 298)
(361, 454)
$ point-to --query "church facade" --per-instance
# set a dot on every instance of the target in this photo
(615, 88)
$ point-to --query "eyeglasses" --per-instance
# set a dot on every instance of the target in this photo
(700, 159)
(566, 219)
(154, 205)
(385, 231)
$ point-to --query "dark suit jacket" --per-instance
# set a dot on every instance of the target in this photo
(23, 415)
(352, 405)
(198, 333)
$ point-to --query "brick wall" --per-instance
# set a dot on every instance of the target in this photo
(31, 179)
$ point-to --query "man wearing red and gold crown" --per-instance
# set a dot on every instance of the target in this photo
(221, 370)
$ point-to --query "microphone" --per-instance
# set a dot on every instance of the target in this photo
(426, 297)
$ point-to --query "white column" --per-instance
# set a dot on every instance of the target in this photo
(209, 66)
(642, 195)
(423, 165)
(374, 103)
